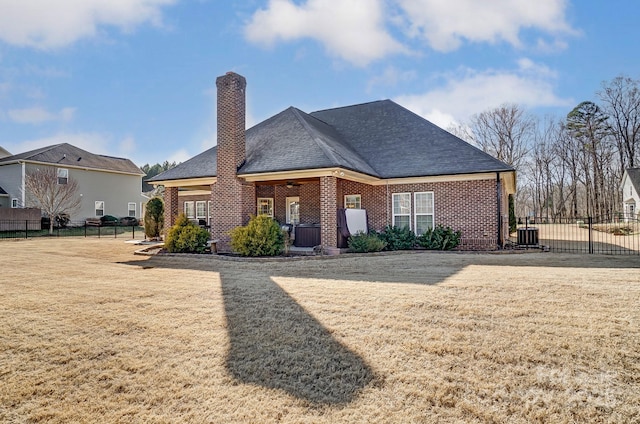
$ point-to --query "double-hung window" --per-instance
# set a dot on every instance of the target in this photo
(265, 206)
(99, 208)
(131, 209)
(401, 210)
(423, 207)
(63, 175)
(190, 210)
(201, 210)
(14, 202)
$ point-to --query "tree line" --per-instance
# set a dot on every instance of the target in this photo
(568, 167)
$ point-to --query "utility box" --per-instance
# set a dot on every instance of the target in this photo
(528, 236)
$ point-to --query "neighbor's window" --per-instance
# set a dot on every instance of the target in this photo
(190, 210)
(131, 208)
(402, 210)
(209, 212)
(265, 206)
(99, 208)
(63, 175)
(14, 203)
(423, 204)
(201, 209)
(352, 201)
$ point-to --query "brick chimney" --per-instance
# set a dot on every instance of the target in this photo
(233, 199)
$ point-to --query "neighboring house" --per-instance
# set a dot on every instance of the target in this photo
(630, 187)
(5, 200)
(107, 185)
(301, 168)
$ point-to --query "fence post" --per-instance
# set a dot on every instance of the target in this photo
(590, 221)
(26, 229)
(115, 231)
(85, 229)
(133, 232)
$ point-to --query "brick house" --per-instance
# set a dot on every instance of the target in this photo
(301, 168)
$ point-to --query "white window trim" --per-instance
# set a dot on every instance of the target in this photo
(193, 206)
(393, 212)
(63, 171)
(415, 210)
(290, 200)
(96, 209)
(270, 200)
(204, 215)
(359, 201)
(15, 203)
(135, 209)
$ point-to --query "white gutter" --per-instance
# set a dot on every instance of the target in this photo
(23, 187)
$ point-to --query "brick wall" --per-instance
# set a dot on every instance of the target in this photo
(310, 202)
(468, 206)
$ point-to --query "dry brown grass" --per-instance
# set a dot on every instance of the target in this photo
(90, 333)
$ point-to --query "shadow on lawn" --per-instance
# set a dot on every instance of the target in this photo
(275, 343)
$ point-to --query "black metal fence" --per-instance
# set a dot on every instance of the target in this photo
(32, 229)
(613, 236)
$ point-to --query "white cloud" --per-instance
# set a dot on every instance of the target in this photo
(391, 77)
(92, 142)
(470, 92)
(39, 115)
(179, 156)
(55, 24)
(352, 30)
(446, 24)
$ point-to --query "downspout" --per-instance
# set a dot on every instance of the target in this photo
(499, 205)
(388, 203)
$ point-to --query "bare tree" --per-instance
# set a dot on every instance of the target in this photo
(505, 132)
(621, 102)
(52, 195)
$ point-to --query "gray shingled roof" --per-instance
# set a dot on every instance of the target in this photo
(381, 139)
(66, 154)
(398, 143)
(634, 176)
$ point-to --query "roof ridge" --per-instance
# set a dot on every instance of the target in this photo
(350, 106)
(330, 152)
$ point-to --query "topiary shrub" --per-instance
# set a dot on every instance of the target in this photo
(439, 238)
(186, 237)
(262, 236)
(363, 243)
(396, 238)
(153, 218)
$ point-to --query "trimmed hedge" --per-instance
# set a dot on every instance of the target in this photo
(362, 243)
(262, 236)
(186, 237)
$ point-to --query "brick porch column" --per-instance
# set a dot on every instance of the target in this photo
(328, 211)
(170, 207)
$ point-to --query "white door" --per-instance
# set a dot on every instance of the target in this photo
(293, 210)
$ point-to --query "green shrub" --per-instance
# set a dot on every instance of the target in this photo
(186, 237)
(439, 238)
(262, 236)
(154, 218)
(362, 243)
(396, 238)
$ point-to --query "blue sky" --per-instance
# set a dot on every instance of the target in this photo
(136, 78)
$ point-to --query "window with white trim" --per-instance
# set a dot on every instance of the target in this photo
(401, 210)
(63, 175)
(352, 201)
(265, 206)
(131, 209)
(201, 210)
(190, 209)
(99, 208)
(423, 212)
(209, 212)
(14, 202)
